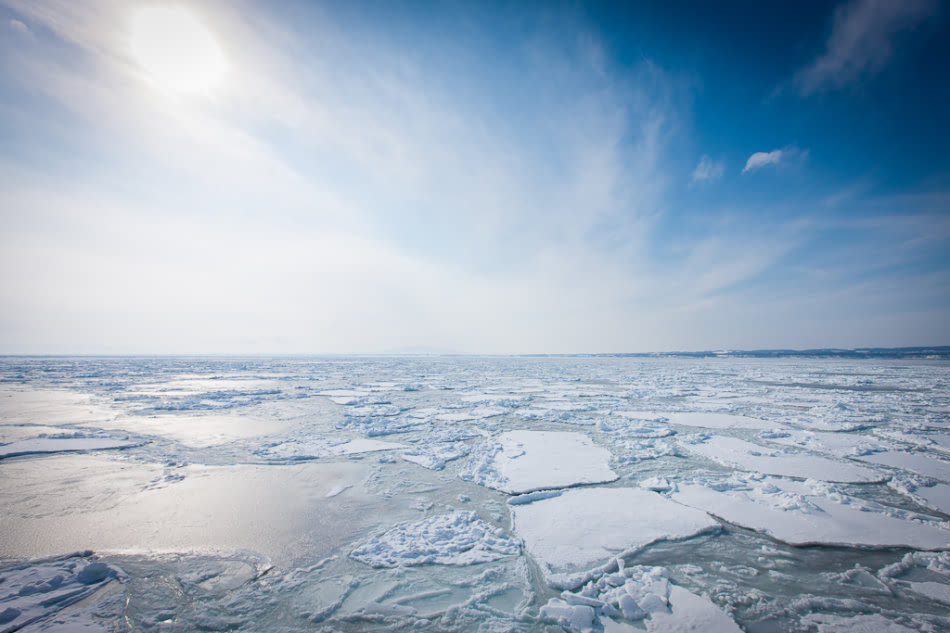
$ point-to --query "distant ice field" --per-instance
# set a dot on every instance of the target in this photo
(474, 494)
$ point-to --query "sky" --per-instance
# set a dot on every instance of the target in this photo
(242, 177)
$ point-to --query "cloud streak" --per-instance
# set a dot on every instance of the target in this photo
(862, 41)
(762, 159)
(708, 170)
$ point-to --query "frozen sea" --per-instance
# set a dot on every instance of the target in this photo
(475, 494)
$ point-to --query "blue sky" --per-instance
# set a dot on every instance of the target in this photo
(241, 177)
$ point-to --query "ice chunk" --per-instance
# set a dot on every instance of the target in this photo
(579, 532)
(638, 594)
(435, 456)
(63, 445)
(39, 590)
(522, 461)
(811, 512)
(450, 539)
(731, 451)
(828, 442)
(317, 447)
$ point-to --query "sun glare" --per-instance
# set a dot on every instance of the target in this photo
(175, 49)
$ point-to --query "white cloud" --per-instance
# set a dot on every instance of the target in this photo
(862, 41)
(708, 170)
(18, 26)
(761, 159)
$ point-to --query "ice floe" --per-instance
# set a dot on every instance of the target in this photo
(915, 462)
(719, 421)
(636, 594)
(575, 534)
(732, 451)
(435, 456)
(811, 512)
(460, 538)
(524, 461)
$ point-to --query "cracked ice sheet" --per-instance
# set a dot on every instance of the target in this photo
(576, 534)
(63, 445)
(316, 447)
(811, 512)
(928, 493)
(39, 590)
(524, 461)
(731, 451)
(460, 538)
(828, 442)
(636, 594)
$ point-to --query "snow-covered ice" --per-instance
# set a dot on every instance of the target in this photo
(524, 461)
(576, 533)
(731, 451)
(811, 512)
(636, 594)
(316, 447)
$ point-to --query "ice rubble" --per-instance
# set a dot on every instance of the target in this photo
(636, 594)
(434, 456)
(576, 534)
(460, 538)
(316, 447)
(731, 451)
(811, 512)
(524, 461)
(927, 492)
(39, 590)
(936, 566)
(63, 445)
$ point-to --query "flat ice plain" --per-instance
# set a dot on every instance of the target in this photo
(474, 494)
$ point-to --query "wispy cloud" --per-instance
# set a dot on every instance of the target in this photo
(862, 41)
(708, 170)
(761, 159)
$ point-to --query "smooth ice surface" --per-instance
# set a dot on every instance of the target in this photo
(636, 594)
(523, 461)
(577, 532)
(62, 445)
(731, 451)
(460, 538)
(803, 513)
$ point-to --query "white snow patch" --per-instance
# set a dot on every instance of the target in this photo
(450, 539)
(578, 533)
(523, 461)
